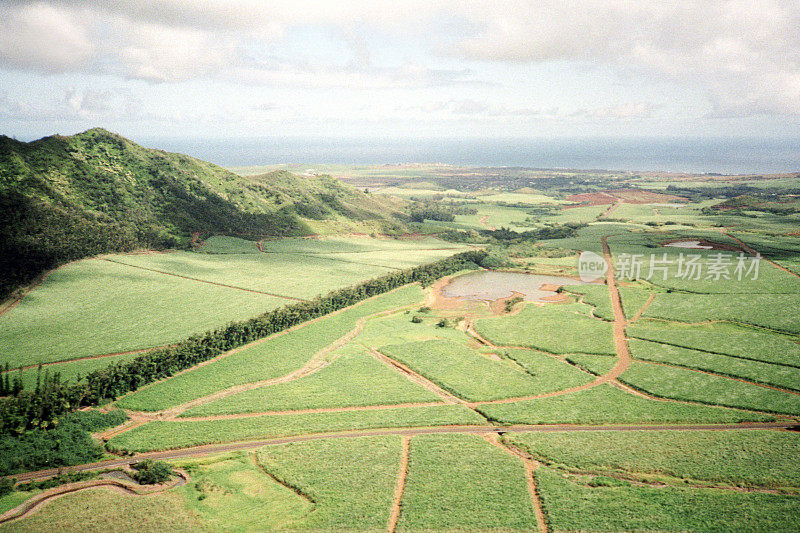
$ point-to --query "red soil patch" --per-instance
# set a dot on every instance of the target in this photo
(631, 196)
(550, 287)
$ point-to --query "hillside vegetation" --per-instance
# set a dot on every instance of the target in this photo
(63, 198)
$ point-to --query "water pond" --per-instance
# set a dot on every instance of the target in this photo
(490, 285)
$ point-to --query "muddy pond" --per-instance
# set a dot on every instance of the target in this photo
(491, 285)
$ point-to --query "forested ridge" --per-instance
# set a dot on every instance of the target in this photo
(64, 198)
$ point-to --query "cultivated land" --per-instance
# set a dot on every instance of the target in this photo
(640, 402)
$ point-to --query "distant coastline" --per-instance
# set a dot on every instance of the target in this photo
(715, 155)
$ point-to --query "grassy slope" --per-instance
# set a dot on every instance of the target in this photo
(96, 307)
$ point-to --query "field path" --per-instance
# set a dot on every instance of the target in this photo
(611, 208)
(196, 451)
(316, 363)
(418, 378)
(639, 313)
(530, 466)
(400, 485)
(484, 220)
(620, 342)
(750, 250)
(33, 504)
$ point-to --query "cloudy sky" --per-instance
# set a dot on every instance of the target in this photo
(383, 68)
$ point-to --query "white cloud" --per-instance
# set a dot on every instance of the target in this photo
(42, 37)
(744, 52)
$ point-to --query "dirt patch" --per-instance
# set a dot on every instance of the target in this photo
(550, 287)
(700, 244)
(484, 220)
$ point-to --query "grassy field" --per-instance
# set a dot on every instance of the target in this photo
(777, 375)
(685, 384)
(354, 378)
(96, 307)
(463, 371)
(564, 328)
(135, 301)
(350, 481)
(233, 493)
(99, 510)
(723, 338)
(571, 504)
(162, 435)
(758, 458)
(605, 404)
(764, 310)
(266, 359)
(462, 482)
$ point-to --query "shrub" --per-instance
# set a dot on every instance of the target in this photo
(149, 472)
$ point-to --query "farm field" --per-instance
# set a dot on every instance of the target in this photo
(135, 301)
(631, 403)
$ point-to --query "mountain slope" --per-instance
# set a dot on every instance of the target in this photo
(63, 198)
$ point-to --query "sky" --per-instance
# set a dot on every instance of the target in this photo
(391, 68)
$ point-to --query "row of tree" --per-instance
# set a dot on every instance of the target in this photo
(39, 408)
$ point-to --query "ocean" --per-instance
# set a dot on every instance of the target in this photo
(706, 155)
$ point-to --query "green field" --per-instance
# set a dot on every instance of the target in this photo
(757, 458)
(778, 375)
(561, 329)
(350, 481)
(572, 504)
(161, 435)
(464, 372)
(96, 307)
(265, 359)
(354, 378)
(684, 384)
(462, 482)
(233, 493)
(607, 405)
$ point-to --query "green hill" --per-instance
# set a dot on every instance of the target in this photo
(63, 198)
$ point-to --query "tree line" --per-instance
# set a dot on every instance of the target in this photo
(39, 408)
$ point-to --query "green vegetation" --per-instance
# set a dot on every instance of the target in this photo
(765, 310)
(758, 458)
(685, 384)
(462, 482)
(354, 378)
(99, 510)
(271, 358)
(349, 481)
(97, 307)
(778, 375)
(605, 404)
(233, 493)
(68, 443)
(462, 371)
(149, 472)
(161, 435)
(561, 329)
(723, 338)
(571, 505)
(64, 198)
